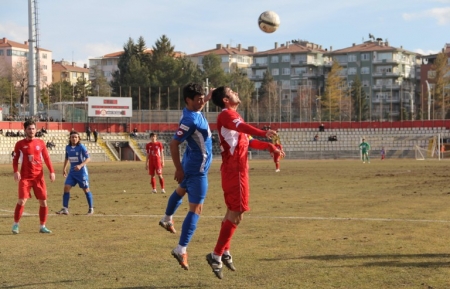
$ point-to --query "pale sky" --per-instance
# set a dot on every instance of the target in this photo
(76, 30)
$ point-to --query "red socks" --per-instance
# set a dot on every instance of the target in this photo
(18, 213)
(225, 235)
(43, 211)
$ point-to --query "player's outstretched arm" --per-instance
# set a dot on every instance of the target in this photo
(175, 153)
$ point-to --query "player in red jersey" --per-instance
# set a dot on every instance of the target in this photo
(234, 143)
(155, 161)
(32, 152)
(277, 157)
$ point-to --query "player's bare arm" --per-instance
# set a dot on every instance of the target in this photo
(175, 152)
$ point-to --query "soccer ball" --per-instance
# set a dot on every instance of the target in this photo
(269, 21)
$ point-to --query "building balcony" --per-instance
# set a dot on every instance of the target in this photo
(385, 86)
(387, 74)
(255, 65)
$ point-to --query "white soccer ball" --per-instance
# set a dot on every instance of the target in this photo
(124, 191)
(269, 21)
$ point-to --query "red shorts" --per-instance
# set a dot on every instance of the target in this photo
(38, 185)
(236, 189)
(155, 167)
(276, 157)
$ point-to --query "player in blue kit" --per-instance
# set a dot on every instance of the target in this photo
(192, 172)
(78, 156)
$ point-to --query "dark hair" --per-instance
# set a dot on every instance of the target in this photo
(190, 90)
(28, 122)
(79, 138)
(152, 134)
(217, 96)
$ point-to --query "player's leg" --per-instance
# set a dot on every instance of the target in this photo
(161, 180)
(84, 185)
(68, 184)
(40, 191)
(173, 203)
(152, 170)
(197, 187)
(23, 195)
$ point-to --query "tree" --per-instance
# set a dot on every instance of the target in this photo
(61, 91)
(268, 98)
(441, 80)
(99, 84)
(8, 94)
(240, 83)
(212, 69)
(331, 106)
(360, 107)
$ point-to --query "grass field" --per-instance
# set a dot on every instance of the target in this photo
(316, 224)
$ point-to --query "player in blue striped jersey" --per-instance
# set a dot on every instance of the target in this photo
(191, 172)
(78, 157)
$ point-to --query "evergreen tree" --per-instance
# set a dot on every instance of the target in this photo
(360, 106)
(212, 69)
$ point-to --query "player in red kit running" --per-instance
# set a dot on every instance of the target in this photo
(155, 161)
(234, 143)
(32, 152)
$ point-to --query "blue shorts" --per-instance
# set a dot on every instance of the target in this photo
(196, 187)
(82, 180)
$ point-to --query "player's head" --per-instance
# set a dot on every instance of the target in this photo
(224, 92)
(153, 136)
(191, 90)
(29, 127)
(74, 138)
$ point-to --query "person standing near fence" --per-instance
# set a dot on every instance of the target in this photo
(33, 153)
(364, 147)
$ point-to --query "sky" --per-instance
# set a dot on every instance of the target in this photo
(76, 30)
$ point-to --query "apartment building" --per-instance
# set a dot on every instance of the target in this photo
(232, 57)
(68, 71)
(14, 61)
(390, 76)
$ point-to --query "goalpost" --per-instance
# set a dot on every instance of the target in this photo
(432, 152)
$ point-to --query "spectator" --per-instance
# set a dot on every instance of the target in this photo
(316, 137)
(51, 118)
(50, 145)
(1, 131)
(43, 130)
(321, 127)
(95, 135)
(88, 133)
(135, 132)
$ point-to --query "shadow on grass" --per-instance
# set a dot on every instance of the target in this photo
(159, 287)
(396, 262)
(42, 284)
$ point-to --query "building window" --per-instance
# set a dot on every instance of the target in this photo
(74, 75)
(44, 78)
(351, 57)
(286, 58)
(44, 55)
(261, 60)
(44, 67)
(431, 74)
(365, 83)
(109, 62)
(299, 70)
(1, 51)
(365, 70)
(286, 71)
(351, 70)
(275, 71)
(225, 59)
(365, 56)
(8, 52)
(274, 59)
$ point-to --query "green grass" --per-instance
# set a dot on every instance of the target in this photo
(316, 224)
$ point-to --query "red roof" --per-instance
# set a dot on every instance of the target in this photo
(58, 66)
(4, 42)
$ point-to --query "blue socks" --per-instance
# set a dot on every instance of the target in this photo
(174, 202)
(90, 199)
(66, 198)
(188, 228)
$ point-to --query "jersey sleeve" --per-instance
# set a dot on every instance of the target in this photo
(185, 129)
(84, 152)
(16, 157)
(232, 120)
